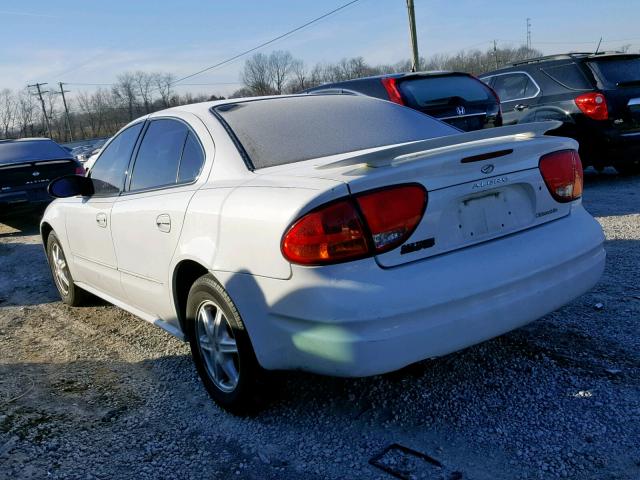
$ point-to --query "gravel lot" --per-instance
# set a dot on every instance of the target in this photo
(95, 393)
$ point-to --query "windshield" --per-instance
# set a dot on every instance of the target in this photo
(431, 91)
(619, 71)
(285, 130)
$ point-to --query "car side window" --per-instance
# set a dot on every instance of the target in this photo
(514, 86)
(110, 168)
(158, 160)
(191, 161)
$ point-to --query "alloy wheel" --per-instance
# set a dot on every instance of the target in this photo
(217, 346)
(60, 271)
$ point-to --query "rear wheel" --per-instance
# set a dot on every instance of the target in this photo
(221, 348)
(69, 292)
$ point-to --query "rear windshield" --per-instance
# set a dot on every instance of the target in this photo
(18, 151)
(285, 130)
(433, 91)
(618, 71)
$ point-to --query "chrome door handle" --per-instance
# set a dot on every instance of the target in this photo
(520, 107)
(101, 219)
(163, 222)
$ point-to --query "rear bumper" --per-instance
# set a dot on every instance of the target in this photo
(22, 196)
(358, 319)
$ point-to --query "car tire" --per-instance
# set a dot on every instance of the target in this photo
(70, 293)
(221, 348)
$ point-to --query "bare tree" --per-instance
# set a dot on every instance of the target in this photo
(256, 74)
(280, 66)
(8, 110)
(300, 77)
(163, 83)
(26, 112)
(144, 83)
(126, 93)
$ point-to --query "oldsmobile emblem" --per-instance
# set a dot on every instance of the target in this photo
(487, 168)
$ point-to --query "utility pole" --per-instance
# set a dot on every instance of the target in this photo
(66, 110)
(495, 54)
(415, 62)
(44, 110)
(528, 34)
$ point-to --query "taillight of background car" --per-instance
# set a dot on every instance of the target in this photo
(391, 86)
(366, 224)
(562, 173)
(593, 105)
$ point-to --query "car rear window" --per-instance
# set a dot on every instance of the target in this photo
(569, 75)
(618, 71)
(16, 151)
(432, 91)
(284, 130)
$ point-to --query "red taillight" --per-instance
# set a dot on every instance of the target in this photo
(366, 224)
(391, 86)
(562, 172)
(80, 171)
(392, 214)
(330, 234)
(593, 105)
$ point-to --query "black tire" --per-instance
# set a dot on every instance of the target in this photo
(244, 398)
(71, 294)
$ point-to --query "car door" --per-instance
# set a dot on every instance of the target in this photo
(147, 218)
(518, 93)
(88, 219)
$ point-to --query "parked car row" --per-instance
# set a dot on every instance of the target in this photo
(596, 96)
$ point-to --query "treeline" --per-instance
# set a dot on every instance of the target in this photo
(91, 114)
(279, 72)
(105, 110)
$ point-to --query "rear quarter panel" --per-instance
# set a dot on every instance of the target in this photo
(240, 228)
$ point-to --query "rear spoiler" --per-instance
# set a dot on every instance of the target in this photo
(395, 154)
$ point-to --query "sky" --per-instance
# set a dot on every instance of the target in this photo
(91, 42)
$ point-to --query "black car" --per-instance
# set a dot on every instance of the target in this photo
(459, 99)
(27, 166)
(595, 95)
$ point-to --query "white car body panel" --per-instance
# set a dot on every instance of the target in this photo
(357, 318)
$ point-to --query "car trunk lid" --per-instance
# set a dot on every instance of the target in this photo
(32, 174)
(481, 185)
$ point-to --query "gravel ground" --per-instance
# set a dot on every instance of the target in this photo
(95, 393)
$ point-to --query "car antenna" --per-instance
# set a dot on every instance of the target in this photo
(598, 47)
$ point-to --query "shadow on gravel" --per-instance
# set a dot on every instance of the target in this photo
(616, 194)
(25, 278)
(20, 223)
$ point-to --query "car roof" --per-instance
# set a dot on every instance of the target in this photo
(564, 56)
(203, 109)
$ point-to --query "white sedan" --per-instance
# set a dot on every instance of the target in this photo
(336, 234)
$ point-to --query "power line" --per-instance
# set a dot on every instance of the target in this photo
(181, 85)
(264, 44)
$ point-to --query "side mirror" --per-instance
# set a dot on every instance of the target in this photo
(70, 186)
